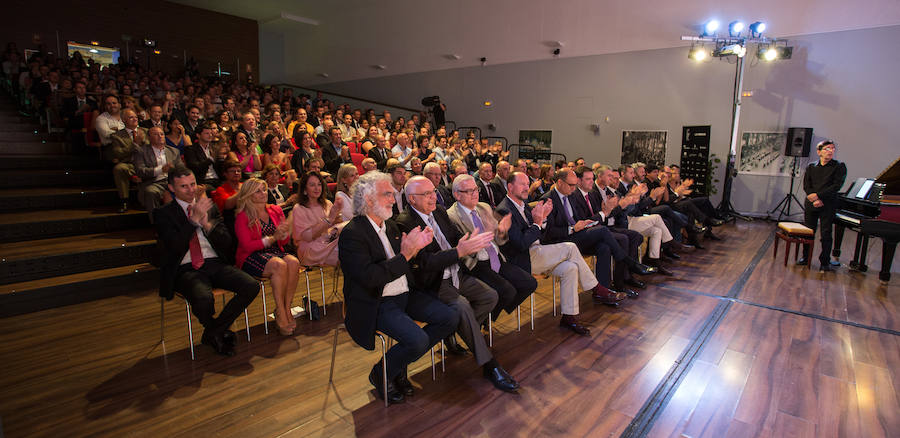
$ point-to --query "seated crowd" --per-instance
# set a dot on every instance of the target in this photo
(244, 183)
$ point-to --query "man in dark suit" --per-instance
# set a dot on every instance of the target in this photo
(432, 171)
(73, 110)
(152, 163)
(398, 180)
(588, 205)
(436, 270)
(513, 285)
(378, 291)
(156, 118)
(380, 153)
(335, 153)
(485, 193)
(590, 239)
(201, 158)
(498, 183)
(196, 257)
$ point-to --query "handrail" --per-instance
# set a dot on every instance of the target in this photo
(375, 102)
(469, 128)
(503, 140)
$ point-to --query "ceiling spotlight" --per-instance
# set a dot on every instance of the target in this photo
(556, 51)
(767, 53)
(757, 28)
(710, 27)
(697, 53)
(735, 28)
(379, 66)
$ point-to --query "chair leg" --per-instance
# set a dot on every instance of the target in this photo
(553, 283)
(384, 368)
(490, 331)
(162, 320)
(262, 288)
(518, 318)
(187, 305)
(775, 247)
(532, 311)
(433, 372)
(322, 279)
(334, 352)
(308, 300)
(247, 324)
(443, 358)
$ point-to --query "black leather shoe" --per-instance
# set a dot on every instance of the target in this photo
(664, 271)
(403, 384)
(603, 295)
(716, 222)
(634, 282)
(124, 207)
(697, 245)
(802, 261)
(453, 347)
(628, 292)
(217, 342)
(670, 254)
(501, 379)
(375, 378)
(229, 337)
(638, 268)
(684, 246)
(571, 322)
(826, 268)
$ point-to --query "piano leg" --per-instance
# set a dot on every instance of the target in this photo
(838, 238)
(887, 258)
(859, 253)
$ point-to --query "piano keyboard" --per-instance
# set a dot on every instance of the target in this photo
(847, 218)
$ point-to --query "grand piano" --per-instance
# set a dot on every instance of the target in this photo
(872, 208)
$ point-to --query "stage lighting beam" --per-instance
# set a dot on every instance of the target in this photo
(710, 27)
(757, 28)
(735, 28)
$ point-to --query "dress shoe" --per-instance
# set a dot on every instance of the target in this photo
(638, 268)
(606, 296)
(634, 282)
(628, 292)
(453, 347)
(683, 246)
(670, 254)
(802, 261)
(217, 342)
(124, 207)
(660, 268)
(403, 384)
(376, 379)
(716, 222)
(826, 268)
(571, 322)
(500, 378)
(696, 244)
(229, 337)
(698, 228)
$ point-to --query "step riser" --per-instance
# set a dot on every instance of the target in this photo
(19, 127)
(32, 148)
(20, 136)
(65, 264)
(49, 202)
(56, 179)
(59, 162)
(46, 230)
(12, 304)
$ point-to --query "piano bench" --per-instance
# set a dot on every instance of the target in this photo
(794, 233)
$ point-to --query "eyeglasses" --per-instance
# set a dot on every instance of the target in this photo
(428, 193)
(467, 192)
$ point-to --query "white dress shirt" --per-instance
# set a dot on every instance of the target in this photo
(399, 285)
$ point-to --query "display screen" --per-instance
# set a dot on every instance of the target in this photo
(864, 190)
(101, 55)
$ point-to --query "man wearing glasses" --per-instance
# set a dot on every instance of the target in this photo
(822, 181)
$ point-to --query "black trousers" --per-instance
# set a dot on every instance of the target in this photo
(630, 241)
(512, 283)
(599, 242)
(196, 286)
(824, 217)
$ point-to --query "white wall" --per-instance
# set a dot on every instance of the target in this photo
(840, 83)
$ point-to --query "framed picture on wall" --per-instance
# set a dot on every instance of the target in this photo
(541, 140)
(648, 147)
(762, 153)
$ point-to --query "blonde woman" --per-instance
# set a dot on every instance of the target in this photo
(262, 232)
(347, 175)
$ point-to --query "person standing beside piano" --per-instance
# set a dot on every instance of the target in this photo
(822, 181)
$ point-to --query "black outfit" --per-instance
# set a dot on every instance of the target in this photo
(825, 181)
(175, 232)
(627, 239)
(486, 193)
(332, 158)
(444, 197)
(380, 155)
(522, 234)
(197, 160)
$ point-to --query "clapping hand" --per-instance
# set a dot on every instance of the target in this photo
(336, 210)
(472, 243)
(200, 210)
(415, 240)
(505, 223)
(609, 204)
(283, 231)
(541, 211)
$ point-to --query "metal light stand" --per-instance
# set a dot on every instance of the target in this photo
(725, 209)
(784, 206)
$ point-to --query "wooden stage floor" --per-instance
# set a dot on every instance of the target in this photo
(735, 344)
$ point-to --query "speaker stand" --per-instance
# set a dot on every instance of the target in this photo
(784, 206)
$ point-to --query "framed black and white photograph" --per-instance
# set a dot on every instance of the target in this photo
(762, 153)
(648, 147)
(541, 140)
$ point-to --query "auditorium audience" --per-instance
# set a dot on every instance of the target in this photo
(110, 121)
(123, 145)
(152, 163)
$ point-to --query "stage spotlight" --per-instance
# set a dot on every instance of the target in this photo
(697, 53)
(757, 28)
(767, 53)
(735, 28)
(731, 49)
(710, 27)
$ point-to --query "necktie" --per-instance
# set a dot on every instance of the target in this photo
(609, 192)
(587, 199)
(567, 210)
(134, 135)
(490, 193)
(196, 252)
(442, 242)
(440, 199)
(492, 253)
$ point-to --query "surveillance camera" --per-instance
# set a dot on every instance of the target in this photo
(483, 59)
(556, 52)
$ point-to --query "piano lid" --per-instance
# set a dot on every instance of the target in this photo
(890, 177)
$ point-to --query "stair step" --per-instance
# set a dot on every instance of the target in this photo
(33, 135)
(50, 161)
(36, 259)
(56, 177)
(32, 147)
(63, 290)
(29, 225)
(20, 127)
(47, 198)
(13, 116)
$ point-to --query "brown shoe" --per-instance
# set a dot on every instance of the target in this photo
(571, 322)
(606, 296)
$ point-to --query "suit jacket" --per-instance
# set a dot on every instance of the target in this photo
(464, 222)
(145, 162)
(380, 156)
(332, 160)
(557, 229)
(522, 234)
(446, 196)
(583, 211)
(619, 214)
(122, 147)
(174, 232)
(360, 247)
(196, 160)
(71, 111)
(483, 193)
(147, 124)
(429, 264)
(499, 188)
(283, 189)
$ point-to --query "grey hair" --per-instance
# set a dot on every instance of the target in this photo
(365, 188)
(461, 178)
(431, 165)
(637, 164)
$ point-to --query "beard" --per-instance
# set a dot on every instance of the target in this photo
(382, 212)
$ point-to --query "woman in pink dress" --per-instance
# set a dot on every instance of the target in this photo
(316, 223)
(262, 232)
